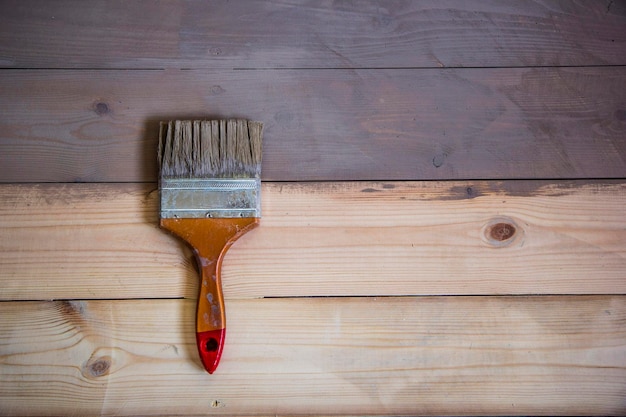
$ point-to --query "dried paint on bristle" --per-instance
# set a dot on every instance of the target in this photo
(210, 149)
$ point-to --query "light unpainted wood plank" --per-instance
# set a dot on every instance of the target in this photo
(88, 241)
(331, 34)
(101, 126)
(369, 356)
(322, 239)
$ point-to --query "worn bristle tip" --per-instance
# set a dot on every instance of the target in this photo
(210, 149)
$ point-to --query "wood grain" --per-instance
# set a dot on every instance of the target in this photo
(95, 126)
(396, 356)
(321, 239)
(498, 288)
(310, 34)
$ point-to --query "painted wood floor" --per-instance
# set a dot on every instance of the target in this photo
(444, 199)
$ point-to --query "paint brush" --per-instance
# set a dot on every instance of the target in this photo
(210, 183)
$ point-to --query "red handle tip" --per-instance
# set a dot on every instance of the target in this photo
(210, 346)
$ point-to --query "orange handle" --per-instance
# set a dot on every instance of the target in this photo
(210, 239)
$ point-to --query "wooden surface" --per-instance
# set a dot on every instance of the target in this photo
(497, 288)
(311, 34)
(410, 124)
(410, 355)
(323, 239)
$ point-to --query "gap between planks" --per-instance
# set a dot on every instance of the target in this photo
(90, 241)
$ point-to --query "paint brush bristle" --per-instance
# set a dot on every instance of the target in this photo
(210, 149)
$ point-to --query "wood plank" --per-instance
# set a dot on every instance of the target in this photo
(322, 239)
(296, 34)
(370, 356)
(68, 241)
(101, 126)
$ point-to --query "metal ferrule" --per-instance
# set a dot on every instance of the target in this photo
(206, 198)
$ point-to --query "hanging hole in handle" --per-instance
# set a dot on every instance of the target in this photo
(211, 345)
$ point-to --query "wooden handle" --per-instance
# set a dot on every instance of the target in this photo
(210, 239)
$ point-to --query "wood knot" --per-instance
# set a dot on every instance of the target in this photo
(439, 159)
(500, 232)
(215, 51)
(216, 90)
(72, 308)
(101, 108)
(97, 367)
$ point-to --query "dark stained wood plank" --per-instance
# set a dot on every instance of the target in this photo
(310, 34)
(323, 124)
